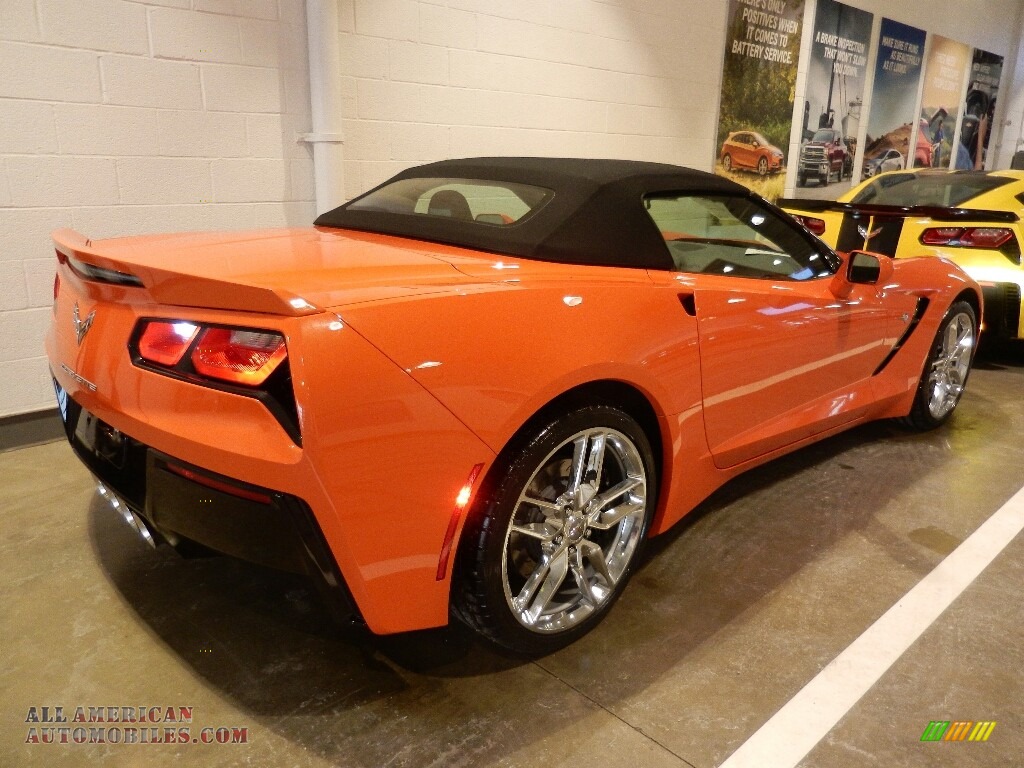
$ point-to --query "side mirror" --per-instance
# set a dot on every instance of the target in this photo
(861, 268)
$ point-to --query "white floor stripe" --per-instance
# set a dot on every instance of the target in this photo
(795, 729)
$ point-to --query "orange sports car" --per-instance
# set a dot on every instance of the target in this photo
(478, 388)
(750, 150)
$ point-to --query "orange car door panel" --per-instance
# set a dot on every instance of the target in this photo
(778, 359)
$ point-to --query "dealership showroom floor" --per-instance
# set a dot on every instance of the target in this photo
(730, 616)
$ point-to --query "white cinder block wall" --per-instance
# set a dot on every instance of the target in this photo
(635, 79)
(593, 78)
(119, 117)
(122, 116)
(127, 116)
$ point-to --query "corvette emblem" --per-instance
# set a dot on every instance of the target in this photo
(82, 326)
(863, 231)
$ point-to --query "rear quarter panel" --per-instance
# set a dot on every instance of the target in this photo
(496, 354)
(381, 461)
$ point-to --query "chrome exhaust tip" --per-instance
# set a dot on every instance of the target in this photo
(119, 506)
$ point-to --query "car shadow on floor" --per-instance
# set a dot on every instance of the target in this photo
(226, 617)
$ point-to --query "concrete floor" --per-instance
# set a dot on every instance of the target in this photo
(730, 616)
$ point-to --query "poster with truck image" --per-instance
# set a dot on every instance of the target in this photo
(893, 102)
(940, 102)
(833, 99)
(979, 109)
(758, 83)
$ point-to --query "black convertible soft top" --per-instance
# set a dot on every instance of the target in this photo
(596, 215)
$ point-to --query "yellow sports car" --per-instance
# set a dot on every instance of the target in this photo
(969, 217)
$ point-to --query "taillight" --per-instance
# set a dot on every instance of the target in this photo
(986, 237)
(238, 356)
(812, 225)
(233, 355)
(967, 237)
(251, 362)
(165, 343)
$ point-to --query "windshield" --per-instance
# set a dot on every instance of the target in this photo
(946, 190)
(734, 236)
(823, 137)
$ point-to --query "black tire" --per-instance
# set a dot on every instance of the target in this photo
(931, 408)
(801, 180)
(499, 568)
(727, 162)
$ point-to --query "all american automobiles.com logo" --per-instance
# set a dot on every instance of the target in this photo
(124, 725)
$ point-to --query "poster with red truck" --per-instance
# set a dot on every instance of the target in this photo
(758, 83)
(833, 99)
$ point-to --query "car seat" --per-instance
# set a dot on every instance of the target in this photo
(448, 202)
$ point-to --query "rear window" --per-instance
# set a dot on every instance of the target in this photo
(493, 203)
(946, 190)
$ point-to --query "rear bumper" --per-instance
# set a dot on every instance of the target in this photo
(178, 503)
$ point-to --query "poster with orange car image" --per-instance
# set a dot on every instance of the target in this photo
(758, 82)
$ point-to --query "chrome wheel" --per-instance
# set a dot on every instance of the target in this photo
(574, 530)
(951, 365)
(946, 369)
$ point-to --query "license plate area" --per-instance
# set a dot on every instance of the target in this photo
(116, 459)
(100, 440)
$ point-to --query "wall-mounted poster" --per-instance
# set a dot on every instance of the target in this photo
(833, 98)
(758, 82)
(979, 109)
(940, 100)
(893, 101)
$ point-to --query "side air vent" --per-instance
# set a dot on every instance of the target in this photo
(922, 305)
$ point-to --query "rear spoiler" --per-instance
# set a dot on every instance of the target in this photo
(166, 286)
(935, 212)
